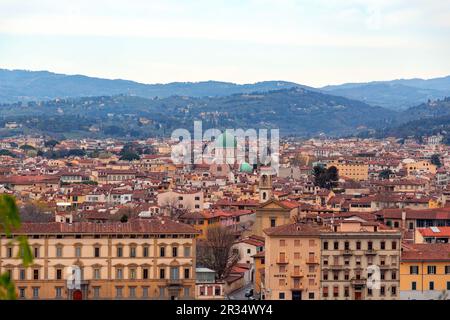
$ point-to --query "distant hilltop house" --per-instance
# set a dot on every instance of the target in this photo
(12, 125)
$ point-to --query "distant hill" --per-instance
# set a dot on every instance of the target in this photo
(20, 85)
(425, 119)
(295, 111)
(396, 94)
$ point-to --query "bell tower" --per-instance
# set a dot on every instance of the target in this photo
(265, 184)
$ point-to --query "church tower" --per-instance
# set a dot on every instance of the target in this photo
(265, 184)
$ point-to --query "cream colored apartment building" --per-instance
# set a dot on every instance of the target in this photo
(140, 259)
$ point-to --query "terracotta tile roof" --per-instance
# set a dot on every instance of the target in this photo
(296, 229)
(428, 232)
(426, 252)
(144, 226)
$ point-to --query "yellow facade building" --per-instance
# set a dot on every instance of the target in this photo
(425, 271)
(352, 169)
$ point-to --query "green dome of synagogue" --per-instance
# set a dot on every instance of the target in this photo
(245, 167)
(226, 141)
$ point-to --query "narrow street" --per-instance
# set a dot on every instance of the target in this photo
(240, 293)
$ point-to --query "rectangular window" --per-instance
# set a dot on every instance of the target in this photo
(413, 286)
(335, 291)
(59, 251)
(393, 290)
(35, 292)
(145, 273)
(382, 291)
(325, 292)
(394, 245)
(132, 252)
(97, 252)
(119, 274)
(414, 269)
(369, 292)
(96, 292)
(77, 252)
(162, 273)
(311, 295)
(133, 274)
(281, 295)
(431, 269)
(132, 291)
(97, 273)
(119, 252)
(58, 274)
(58, 292)
(175, 252)
(144, 292)
(9, 252)
(382, 245)
(346, 292)
(119, 292)
(325, 245)
(431, 285)
(187, 273)
(162, 251)
(22, 293)
(22, 274)
(187, 292)
(447, 269)
(187, 251)
(36, 252)
(358, 245)
(336, 245)
(145, 252)
(273, 224)
(36, 274)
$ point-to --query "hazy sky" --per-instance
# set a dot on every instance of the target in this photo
(313, 42)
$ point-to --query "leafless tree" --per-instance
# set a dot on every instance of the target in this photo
(171, 207)
(216, 251)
